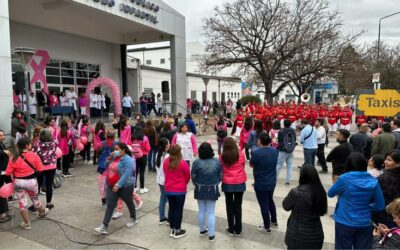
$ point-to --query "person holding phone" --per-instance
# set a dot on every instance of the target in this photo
(385, 238)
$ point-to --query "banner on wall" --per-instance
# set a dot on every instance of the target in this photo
(382, 102)
(37, 69)
(247, 88)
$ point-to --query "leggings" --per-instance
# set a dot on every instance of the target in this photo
(48, 176)
(24, 188)
(140, 168)
(85, 153)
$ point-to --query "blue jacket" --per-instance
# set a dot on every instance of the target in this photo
(206, 175)
(192, 125)
(264, 161)
(126, 170)
(359, 194)
(252, 141)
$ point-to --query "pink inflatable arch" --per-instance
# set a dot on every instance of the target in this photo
(109, 83)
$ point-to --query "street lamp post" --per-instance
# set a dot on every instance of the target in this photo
(379, 39)
(25, 56)
(206, 80)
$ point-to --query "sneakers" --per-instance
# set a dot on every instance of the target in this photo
(163, 221)
(50, 206)
(171, 233)
(139, 206)
(274, 224)
(323, 171)
(103, 202)
(86, 162)
(66, 175)
(32, 208)
(101, 229)
(229, 233)
(45, 212)
(263, 229)
(132, 223)
(89, 162)
(143, 190)
(26, 226)
(117, 215)
(204, 232)
(179, 233)
(211, 238)
(42, 192)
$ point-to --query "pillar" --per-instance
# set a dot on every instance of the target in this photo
(6, 94)
(178, 74)
(124, 71)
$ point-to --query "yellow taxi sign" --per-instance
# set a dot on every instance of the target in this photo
(384, 102)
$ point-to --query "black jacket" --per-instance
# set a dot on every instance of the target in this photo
(362, 143)
(41, 100)
(304, 230)
(338, 157)
(392, 241)
(3, 158)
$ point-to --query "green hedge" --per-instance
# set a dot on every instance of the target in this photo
(250, 98)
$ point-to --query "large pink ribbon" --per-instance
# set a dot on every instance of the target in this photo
(39, 69)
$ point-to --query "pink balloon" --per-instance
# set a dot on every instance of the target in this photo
(6, 190)
(58, 153)
(79, 146)
(84, 140)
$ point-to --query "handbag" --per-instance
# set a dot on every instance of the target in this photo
(57, 182)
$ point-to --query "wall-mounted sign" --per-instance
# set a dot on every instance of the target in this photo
(384, 102)
(137, 10)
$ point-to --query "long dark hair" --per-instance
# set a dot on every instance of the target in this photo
(248, 123)
(230, 152)
(163, 143)
(149, 129)
(124, 147)
(64, 128)
(99, 126)
(258, 127)
(309, 176)
(138, 134)
(21, 145)
(221, 120)
(122, 121)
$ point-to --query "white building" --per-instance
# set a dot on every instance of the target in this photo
(86, 39)
(155, 64)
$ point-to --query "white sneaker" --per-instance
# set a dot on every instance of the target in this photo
(89, 162)
(132, 223)
(135, 190)
(139, 206)
(117, 215)
(86, 162)
(101, 229)
(143, 190)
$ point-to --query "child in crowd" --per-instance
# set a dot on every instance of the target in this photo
(161, 157)
(85, 132)
(98, 137)
(376, 165)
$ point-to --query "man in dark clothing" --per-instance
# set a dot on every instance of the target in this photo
(191, 124)
(384, 142)
(339, 154)
(239, 105)
(4, 156)
(108, 104)
(361, 141)
(42, 101)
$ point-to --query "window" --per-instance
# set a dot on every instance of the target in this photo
(148, 62)
(193, 94)
(70, 73)
(162, 61)
(214, 96)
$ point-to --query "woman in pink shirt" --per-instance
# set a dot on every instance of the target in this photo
(64, 136)
(177, 176)
(22, 167)
(83, 103)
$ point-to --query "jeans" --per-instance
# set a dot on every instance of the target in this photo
(206, 206)
(150, 108)
(48, 176)
(163, 202)
(309, 156)
(352, 237)
(126, 111)
(321, 156)
(125, 194)
(175, 211)
(140, 168)
(267, 206)
(288, 158)
(233, 201)
(151, 158)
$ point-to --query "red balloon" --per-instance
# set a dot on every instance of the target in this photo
(6, 190)
(84, 140)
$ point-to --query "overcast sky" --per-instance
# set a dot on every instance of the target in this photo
(358, 15)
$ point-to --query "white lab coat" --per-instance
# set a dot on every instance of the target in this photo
(22, 106)
(98, 101)
(103, 101)
(92, 98)
(32, 105)
(64, 101)
(71, 96)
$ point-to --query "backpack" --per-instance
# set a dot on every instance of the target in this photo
(104, 154)
(137, 151)
(289, 142)
(221, 132)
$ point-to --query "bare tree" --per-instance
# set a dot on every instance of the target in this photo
(274, 42)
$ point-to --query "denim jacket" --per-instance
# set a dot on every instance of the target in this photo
(206, 175)
(126, 170)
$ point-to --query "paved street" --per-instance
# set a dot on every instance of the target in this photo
(78, 210)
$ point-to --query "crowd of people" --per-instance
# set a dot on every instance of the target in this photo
(42, 101)
(365, 170)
